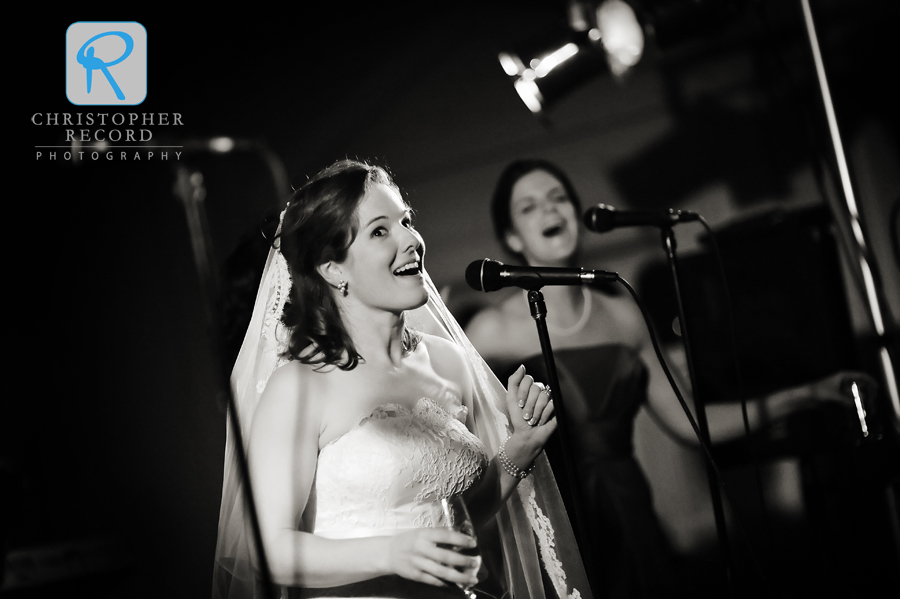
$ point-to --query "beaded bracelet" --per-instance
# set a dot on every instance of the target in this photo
(508, 465)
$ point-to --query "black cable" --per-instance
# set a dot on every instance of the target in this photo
(703, 444)
(739, 380)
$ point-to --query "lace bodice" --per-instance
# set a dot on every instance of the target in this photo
(388, 471)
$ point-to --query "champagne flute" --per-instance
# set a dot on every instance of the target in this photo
(456, 516)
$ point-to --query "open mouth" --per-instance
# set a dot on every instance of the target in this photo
(553, 230)
(409, 269)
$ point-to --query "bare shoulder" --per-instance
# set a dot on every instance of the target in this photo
(443, 353)
(493, 329)
(448, 360)
(485, 322)
(293, 376)
(627, 316)
(293, 388)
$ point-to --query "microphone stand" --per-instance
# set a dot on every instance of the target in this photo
(669, 245)
(190, 190)
(539, 314)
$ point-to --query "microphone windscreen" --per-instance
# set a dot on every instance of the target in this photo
(473, 275)
(600, 218)
(484, 275)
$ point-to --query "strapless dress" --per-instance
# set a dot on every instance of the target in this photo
(388, 474)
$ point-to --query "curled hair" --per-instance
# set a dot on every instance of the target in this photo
(501, 214)
(319, 226)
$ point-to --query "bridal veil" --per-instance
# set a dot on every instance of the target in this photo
(533, 526)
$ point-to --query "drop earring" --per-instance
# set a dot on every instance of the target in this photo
(342, 287)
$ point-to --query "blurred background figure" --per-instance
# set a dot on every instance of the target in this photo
(607, 370)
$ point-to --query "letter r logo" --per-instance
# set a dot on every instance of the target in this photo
(106, 63)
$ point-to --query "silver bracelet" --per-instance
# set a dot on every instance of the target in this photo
(508, 465)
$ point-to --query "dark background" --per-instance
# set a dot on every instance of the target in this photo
(111, 434)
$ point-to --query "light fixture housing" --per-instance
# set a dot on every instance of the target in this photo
(599, 38)
(543, 72)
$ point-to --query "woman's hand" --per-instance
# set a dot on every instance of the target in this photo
(421, 555)
(530, 408)
(838, 387)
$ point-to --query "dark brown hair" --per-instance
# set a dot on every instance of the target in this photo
(501, 215)
(319, 226)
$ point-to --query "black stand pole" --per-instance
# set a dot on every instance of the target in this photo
(582, 534)
(852, 230)
(190, 190)
(669, 245)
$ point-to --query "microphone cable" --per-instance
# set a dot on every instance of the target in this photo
(707, 451)
(739, 381)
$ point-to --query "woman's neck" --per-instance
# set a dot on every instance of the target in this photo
(567, 305)
(376, 334)
(567, 301)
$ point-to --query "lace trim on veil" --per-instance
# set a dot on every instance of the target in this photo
(544, 518)
(543, 529)
(274, 332)
(546, 529)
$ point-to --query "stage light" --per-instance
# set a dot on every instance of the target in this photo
(596, 40)
(553, 69)
(221, 145)
(621, 35)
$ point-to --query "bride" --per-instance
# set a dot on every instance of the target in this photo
(357, 422)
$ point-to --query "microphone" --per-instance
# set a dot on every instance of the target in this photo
(490, 275)
(602, 218)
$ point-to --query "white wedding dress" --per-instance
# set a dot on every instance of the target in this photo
(390, 471)
(386, 473)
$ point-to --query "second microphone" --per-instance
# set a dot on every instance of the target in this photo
(490, 275)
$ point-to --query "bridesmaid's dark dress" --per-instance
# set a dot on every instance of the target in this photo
(603, 387)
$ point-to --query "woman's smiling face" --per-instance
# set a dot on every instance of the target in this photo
(384, 263)
(544, 223)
